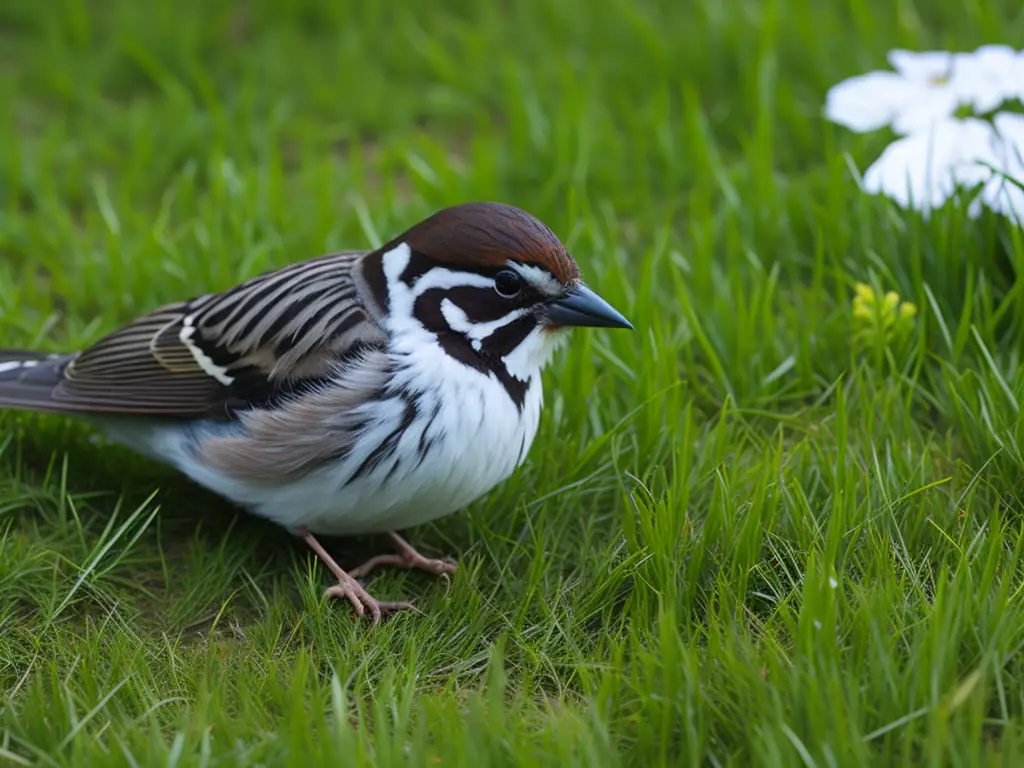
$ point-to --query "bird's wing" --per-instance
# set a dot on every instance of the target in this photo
(214, 355)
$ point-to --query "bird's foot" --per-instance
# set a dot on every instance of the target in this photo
(350, 589)
(406, 557)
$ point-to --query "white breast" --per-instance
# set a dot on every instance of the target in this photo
(474, 436)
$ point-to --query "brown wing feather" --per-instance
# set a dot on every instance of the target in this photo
(143, 367)
(220, 353)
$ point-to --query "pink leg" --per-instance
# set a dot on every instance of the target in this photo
(406, 557)
(347, 587)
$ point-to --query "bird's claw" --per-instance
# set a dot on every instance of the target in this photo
(362, 601)
(413, 562)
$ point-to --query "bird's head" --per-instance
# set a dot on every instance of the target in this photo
(490, 282)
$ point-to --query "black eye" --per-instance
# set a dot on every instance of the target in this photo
(508, 283)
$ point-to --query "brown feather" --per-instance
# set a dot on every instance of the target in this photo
(288, 325)
(490, 234)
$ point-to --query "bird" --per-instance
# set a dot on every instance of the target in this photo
(354, 393)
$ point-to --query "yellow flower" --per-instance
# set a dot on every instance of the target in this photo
(863, 302)
(863, 310)
(864, 292)
(881, 320)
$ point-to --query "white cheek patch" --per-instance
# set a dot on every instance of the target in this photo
(534, 352)
(203, 360)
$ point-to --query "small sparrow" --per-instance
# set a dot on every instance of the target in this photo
(354, 393)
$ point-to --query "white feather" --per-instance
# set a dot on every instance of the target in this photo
(539, 278)
(205, 361)
(438, 277)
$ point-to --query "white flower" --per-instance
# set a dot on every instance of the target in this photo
(994, 73)
(924, 170)
(1001, 194)
(927, 87)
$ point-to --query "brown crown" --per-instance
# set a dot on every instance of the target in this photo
(491, 234)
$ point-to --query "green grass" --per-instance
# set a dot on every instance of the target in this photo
(745, 535)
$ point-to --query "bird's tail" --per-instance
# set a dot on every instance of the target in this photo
(28, 379)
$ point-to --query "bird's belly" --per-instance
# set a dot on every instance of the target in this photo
(469, 450)
(442, 484)
(456, 451)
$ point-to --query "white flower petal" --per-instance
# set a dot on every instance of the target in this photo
(975, 207)
(1001, 193)
(997, 51)
(923, 66)
(927, 88)
(1006, 198)
(987, 77)
(1009, 126)
(925, 169)
(924, 108)
(868, 102)
(1018, 92)
(1009, 123)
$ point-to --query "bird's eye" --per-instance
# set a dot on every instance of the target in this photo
(508, 283)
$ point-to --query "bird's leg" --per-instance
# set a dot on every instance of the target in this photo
(347, 587)
(405, 556)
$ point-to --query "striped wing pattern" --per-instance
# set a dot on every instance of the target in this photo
(218, 353)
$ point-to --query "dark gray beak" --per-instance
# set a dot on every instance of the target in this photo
(581, 306)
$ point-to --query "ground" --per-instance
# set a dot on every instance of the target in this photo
(757, 531)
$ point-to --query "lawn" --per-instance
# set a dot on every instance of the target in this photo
(757, 531)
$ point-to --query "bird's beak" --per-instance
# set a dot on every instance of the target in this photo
(581, 306)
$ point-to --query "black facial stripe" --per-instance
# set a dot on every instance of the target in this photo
(509, 336)
(481, 305)
(457, 346)
(427, 310)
